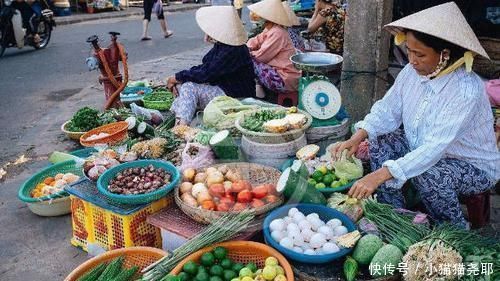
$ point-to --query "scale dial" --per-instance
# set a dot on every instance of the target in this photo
(321, 99)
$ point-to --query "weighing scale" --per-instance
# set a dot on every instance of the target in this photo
(317, 95)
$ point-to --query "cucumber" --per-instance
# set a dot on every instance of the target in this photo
(132, 122)
(126, 274)
(223, 146)
(297, 189)
(111, 270)
(94, 273)
(299, 167)
(145, 129)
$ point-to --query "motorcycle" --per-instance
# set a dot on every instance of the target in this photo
(12, 32)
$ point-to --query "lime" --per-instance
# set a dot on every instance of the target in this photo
(344, 181)
(184, 276)
(190, 267)
(202, 269)
(247, 278)
(280, 270)
(226, 263)
(207, 259)
(237, 267)
(202, 276)
(311, 181)
(220, 253)
(323, 170)
(320, 185)
(328, 179)
(269, 272)
(215, 278)
(317, 176)
(229, 275)
(245, 271)
(252, 266)
(171, 277)
(216, 270)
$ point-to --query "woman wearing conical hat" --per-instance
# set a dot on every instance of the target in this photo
(434, 127)
(227, 69)
(272, 48)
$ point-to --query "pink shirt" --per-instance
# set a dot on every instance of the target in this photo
(274, 47)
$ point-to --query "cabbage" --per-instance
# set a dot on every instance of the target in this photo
(349, 168)
(221, 112)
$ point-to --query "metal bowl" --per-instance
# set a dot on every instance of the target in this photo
(317, 62)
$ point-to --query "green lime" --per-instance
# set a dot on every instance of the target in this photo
(237, 267)
(184, 276)
(335, 184)
(190, 267)
(328, 179)
(344, 181)
(202, 276)
(317, 176)
(229, 275)
(245, 271)
(171, 277)
(220, 253)
(252, 266)
(311, 181)
(215, 278)
(202, 269)
(226, 263)
(320, 185)
(207, 259)
(216, 270)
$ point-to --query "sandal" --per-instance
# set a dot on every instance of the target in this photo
(147, 38)
(169, 33)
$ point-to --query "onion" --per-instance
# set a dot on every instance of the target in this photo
(186, 187)
(188, 199)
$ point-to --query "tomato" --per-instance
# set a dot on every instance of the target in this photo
(227, 200)
(239, 186)
(217, 190)
(244, 196)
(208, 205)
(271, 199)
(271, 189)
(223, 207)
(256, 203)
(260, 191)
(240, 207)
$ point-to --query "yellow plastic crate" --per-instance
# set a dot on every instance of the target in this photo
(109, 230)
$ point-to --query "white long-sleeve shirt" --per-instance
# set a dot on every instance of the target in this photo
(446, 117)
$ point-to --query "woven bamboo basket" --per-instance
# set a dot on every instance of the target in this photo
(243, 252)
(134, 256)
(272, 138)
(72, 135)
(117, 132)
(254, 173)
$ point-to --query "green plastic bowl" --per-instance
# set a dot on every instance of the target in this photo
(104, 179)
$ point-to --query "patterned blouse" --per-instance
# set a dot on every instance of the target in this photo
(332, 32)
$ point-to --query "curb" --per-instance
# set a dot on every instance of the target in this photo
(110, 15)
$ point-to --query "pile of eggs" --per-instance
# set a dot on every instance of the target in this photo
(307, 234)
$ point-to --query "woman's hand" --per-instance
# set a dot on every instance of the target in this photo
(367, 185)
(351, 144)
(171, 83)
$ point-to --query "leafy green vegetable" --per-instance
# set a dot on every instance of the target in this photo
(113, 115)
(85, 119)
(255, 121)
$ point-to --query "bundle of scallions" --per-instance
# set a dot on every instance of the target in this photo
(221, 230)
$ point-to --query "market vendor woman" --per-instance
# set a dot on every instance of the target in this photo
(227, 69)
(435, 125)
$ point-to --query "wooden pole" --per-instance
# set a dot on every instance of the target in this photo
(366, 49)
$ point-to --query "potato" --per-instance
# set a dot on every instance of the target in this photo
(215, 177)
(211, 170)
(189, 174)
(186, 187)
(200, 178)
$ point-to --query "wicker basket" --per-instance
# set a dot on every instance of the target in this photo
(134, 256)
(243, 252)
(117, 132)
(272, 138)
(254, 173)
(72, 135)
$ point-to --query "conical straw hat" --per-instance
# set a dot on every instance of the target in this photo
(222, 24)
(444, 21)
(294, 20)
(271, 10)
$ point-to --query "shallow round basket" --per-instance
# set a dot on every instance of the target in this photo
(134, 256)
(243, 252)
(117, 132)
(104, 179)
(256, 174)
(51, 205)
(72, 135)
(325, 214)
(272, 138)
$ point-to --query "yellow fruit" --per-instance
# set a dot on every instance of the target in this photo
(259, 278)
(280, 278)
(323, 170)
(246, 278)
(271, 261)
(269, 272)
(280, 270)
(258, 272)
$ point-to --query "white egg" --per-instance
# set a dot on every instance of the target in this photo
(277, 235)
(319, 251)
(288, 220)
(287, 243)
(292, 212)
(307, 234)
(317, 240)
(293, 233)
(292, 226)
(298, 217)
(305, 225)
(330, 248)
(333, 223)
(339, 231)
(312, 216)
(315, 224)
(310, 252)
(298, 250)
(298, 240)
(327, 231)
(277, 224)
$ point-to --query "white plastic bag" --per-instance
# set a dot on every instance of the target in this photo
(151, 115)
(203, 157)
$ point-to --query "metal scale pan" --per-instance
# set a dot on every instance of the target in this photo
(317, 62)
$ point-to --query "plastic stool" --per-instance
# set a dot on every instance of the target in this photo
(478, 209)
(290, 98)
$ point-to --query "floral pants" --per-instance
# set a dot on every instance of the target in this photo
(297, 40)
(193, 96)
(268, 77)
(439, 187)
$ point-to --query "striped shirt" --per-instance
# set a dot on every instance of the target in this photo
(446, 117)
